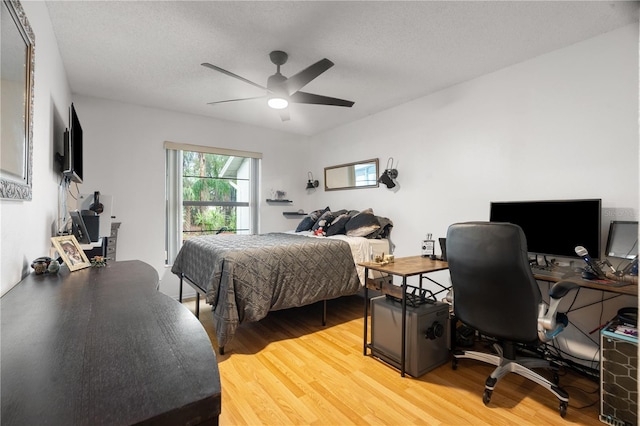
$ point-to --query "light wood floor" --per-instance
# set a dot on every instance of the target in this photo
(290, 370)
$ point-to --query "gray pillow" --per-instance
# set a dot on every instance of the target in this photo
(362, 224)
(385, 228)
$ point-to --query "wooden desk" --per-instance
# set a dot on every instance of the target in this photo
(403, 267)
(103, 346)
(570, 275)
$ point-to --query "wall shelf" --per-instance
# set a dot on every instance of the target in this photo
(294, 214)
(279, 201)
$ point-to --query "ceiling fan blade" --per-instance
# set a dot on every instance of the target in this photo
(284, 114)
(310, 98)
(298, 81)
(230, 74)
(234, 100)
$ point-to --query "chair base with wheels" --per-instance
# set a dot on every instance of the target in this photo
(514, 364)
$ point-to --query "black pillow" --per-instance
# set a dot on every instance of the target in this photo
(362, 224)
(337, 226)
(323, 221)
(307, 223)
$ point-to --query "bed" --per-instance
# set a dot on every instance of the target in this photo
(244, 277)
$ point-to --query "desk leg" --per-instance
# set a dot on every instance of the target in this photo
(366, 310)
(404, 325)
(453, 322)
(197, 305)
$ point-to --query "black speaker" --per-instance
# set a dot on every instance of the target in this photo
(92, 222)
(443, 248)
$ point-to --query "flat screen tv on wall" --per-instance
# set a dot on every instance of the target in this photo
(72, 159)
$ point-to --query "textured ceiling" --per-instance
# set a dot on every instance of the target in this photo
(385, 53)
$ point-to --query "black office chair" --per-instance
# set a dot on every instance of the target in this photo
(495, 293)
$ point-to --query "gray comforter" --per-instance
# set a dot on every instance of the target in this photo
(246, 276)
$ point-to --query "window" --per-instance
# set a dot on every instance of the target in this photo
(209, 191)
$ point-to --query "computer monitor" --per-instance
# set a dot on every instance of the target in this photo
(554, 227)
(623, 240)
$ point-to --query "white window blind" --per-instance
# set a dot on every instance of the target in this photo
(218, 192)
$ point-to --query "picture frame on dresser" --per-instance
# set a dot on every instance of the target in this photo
(70, 251)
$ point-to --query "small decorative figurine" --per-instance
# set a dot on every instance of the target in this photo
(54, 267)
(98, 261)
(40, 265)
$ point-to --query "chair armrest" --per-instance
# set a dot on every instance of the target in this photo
(551, 323)
(561, 288)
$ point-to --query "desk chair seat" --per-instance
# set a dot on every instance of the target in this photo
(495, 293)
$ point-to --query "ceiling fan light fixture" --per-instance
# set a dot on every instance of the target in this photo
(277, 102)
(280, 90)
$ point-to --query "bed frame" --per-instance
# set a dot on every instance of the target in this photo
(200, 291)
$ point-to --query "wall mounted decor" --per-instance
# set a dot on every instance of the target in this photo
(357, 175)
(16, 91)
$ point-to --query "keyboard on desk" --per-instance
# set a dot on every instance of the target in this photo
(549, 272)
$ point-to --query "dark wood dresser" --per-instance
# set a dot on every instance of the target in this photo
(103, 346)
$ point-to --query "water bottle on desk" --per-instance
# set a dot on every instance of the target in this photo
(428, 247)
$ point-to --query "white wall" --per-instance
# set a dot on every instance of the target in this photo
(124, 157)
(561, 126)
(27, 226)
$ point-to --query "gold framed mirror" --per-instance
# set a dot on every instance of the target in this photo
(356, 175)
(17, 53)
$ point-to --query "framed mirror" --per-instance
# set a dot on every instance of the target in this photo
(16, 92)
(360, 174)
